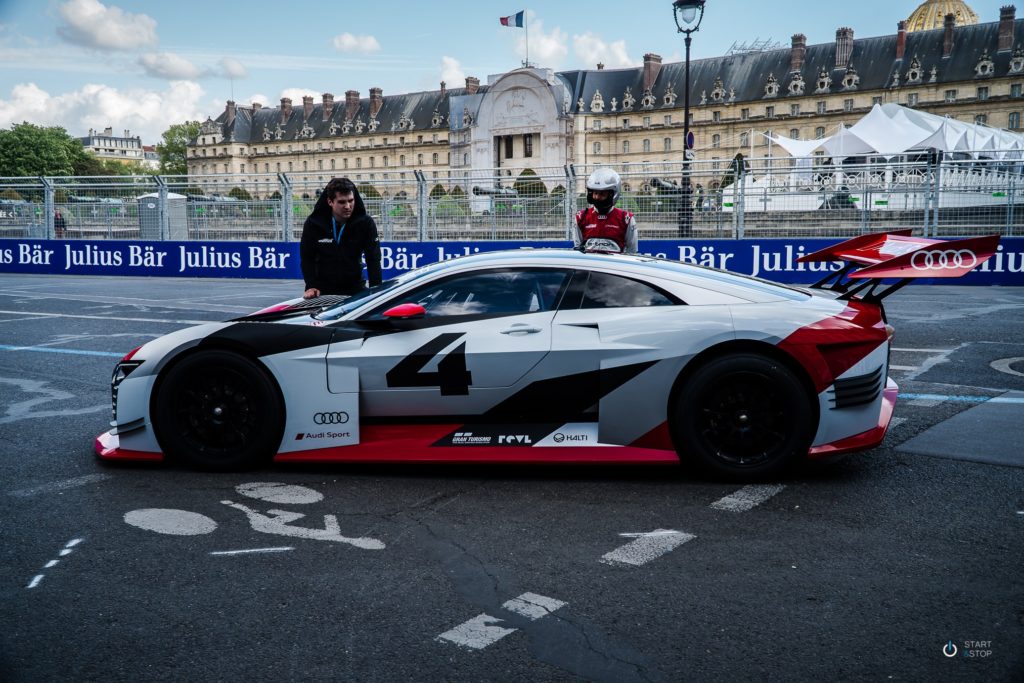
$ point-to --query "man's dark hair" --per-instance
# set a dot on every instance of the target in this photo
(338, 186)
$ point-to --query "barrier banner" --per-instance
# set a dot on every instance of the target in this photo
(772, 259)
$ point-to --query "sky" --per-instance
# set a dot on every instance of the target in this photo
(143, 66)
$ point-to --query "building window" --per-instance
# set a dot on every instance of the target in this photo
(359, 162)
(625, 123)
(527, 146)
(433, 158)
(848, 104)
(419, 159)
(647, 122)
(716, 140)
(1014, 121)
(822, 107)
(597, 148)
(647, 146)
(690, 119)
(912, 99)
(597, 124)
(1015, 90)
(668, 144)
(373, 162)
(794, 133)
(625, 146)
(876, 100)
(344, 163)
(319, 165)
(744, 139)
(794, 110)
(769, 112)
(332, 164)
(819, 133)
(508, 146)
(241, 168)
(981, 119)
(401, 160)
(385, 160)
(950, 96)
(266, 168)
(465, 158)
(745, 114)
(983, 92)
(716, 116)
(278, 167)
(668, 119)
(289, 167)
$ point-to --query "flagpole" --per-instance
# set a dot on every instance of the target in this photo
(526, 27)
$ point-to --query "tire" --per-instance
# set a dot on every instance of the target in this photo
(218, 410)
(744, 417)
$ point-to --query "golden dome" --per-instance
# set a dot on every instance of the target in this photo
(932, 14)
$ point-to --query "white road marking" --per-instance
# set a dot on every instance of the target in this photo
(647, 546)
(483, 630)
(477, 633)
(276, 492)
(922, 350)
(53, 487)
(533, 606)
(278, 522)
(896, 422)
(747, 497)
(23, 409)
(170, 321)
(170, 521)
(51, 563)
(35, 581)
(73, 542)
(1003, 365)
(65, 551)
(909, 368)
(253, 550)
(926, 402)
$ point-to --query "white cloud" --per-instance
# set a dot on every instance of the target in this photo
(591, 49)
(452, 72)
(347, 42)
(296, 94)
(93, 24)
(146, 113)
(546, 49)
(258, 97)
(169, 65)
(229, 67)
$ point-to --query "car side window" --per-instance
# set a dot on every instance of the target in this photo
(612, 291)
(498, 292)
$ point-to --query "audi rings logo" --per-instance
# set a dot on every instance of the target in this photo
(336, 418)
(948, 259)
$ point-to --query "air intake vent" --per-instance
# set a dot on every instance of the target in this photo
(856, 391)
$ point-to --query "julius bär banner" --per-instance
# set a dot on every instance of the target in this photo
(772, 259)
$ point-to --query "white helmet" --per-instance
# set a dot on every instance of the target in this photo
(607, 180)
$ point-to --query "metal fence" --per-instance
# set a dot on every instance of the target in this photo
(764, 197)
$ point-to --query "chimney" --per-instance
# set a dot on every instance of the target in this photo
(376, 99)
(1007, 15)
(600, 66)
(286, 109)
(844, 46)
(947, 40)
(444, 90)
(901, 39)
(108, 131)
(797, 52)
(652, 66)
(351, 104)
(307, 107)
(328, 101)
(472, 85)
(230, 111)
(256, 106)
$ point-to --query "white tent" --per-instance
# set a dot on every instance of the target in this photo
(888, 135)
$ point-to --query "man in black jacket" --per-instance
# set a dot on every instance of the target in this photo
(334, 239)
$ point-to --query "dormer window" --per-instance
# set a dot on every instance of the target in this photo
(796, 85)
(851, 80)
(824, 81)
(914, 72)
(985, 66)
(771, 88)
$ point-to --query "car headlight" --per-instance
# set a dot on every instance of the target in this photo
(122, 370)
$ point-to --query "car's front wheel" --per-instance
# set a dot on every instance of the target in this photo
(743, 416)
(218, 410)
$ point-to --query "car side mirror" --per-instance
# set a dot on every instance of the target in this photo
(405, 312)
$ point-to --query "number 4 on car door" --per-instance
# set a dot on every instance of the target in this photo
(452, 376)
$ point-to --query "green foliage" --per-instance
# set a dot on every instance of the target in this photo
(173, 148)
(529, 185)
(30, 150)
(448, 208)
(273, 195)
(457, 193)
(368, 192)
(437, 192)
(239, 193)
(558, 190)
(193, 190)
(11, 194)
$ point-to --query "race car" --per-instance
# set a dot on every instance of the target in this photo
(540, 355)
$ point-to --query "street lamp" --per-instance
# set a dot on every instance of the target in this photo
(688, 15)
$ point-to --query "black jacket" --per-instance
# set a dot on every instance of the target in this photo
(336, 267)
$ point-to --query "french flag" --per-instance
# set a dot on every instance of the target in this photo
(513, 20)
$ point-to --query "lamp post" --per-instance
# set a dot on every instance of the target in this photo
(688, 15)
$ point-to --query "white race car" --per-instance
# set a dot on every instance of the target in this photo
(543, 355)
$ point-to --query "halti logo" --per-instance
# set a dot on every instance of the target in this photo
(520, 439)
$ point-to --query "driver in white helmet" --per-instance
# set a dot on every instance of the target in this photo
(604, 220)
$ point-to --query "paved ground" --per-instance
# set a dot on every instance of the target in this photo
(865, 571)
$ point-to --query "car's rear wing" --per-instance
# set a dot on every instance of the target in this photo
(870, 259)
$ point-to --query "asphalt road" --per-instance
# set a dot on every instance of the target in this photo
(865, 571)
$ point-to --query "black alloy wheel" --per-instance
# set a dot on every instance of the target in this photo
(743, 416)
(218, 410)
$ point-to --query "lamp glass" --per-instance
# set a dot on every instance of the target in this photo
(687, 13)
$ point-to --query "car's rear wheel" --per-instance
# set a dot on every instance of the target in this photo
(218, 410)
(743, 416)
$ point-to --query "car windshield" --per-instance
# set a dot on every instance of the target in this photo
(369, 294)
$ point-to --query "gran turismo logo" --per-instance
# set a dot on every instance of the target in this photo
(333, 418)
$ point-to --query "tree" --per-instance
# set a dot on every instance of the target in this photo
(437, 192)
(30, 150)
(172, 150)
(529, 185)
(239, 193)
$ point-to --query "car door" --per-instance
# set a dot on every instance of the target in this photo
(482, 332)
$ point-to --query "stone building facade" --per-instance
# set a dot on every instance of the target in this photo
(533, 118)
